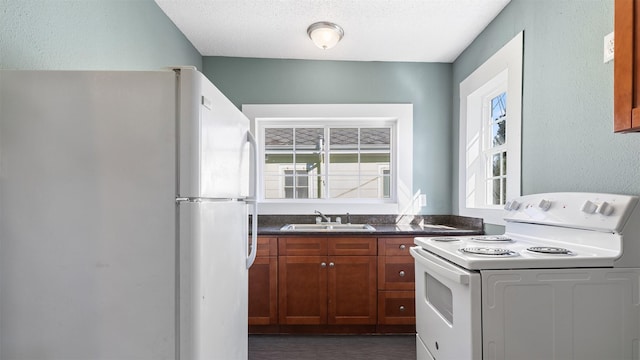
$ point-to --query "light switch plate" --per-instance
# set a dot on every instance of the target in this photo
(608, 47)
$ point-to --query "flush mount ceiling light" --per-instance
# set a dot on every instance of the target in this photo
(325, 34)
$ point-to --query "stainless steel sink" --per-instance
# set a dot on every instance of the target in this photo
(327, 227)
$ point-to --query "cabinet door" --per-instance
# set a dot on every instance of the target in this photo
(352, 290)
(263, 283)
(626, 73)
(263, 291)
(303, 290)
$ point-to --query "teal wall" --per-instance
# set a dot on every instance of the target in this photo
(568, 142)
(426, 85)
(90, 35)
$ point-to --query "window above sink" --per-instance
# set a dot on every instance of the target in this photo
(322, 161)
(357, 157)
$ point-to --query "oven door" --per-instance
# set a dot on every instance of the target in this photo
(448, 307)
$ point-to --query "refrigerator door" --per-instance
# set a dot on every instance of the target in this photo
(87, 215)
(214, 154)
(213, 280)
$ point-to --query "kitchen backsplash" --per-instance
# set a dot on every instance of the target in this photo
(447, 220)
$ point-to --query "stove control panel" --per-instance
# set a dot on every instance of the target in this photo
(595, 211)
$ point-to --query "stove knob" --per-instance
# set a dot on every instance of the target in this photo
(544, 204)
(589, 207)
(605, 209)
(512, 205)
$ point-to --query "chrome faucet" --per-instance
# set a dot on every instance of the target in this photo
(323, 216)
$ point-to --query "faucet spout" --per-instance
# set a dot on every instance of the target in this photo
(323, 216)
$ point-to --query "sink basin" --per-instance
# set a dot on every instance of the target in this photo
(328, 227)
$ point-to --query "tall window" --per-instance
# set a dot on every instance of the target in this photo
(496, 149)
(316, 161)
(490, 123)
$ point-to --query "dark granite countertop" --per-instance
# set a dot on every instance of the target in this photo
(420, 225)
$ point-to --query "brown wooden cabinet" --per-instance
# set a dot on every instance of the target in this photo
(332, 284)
(626, 77)
(396, 281)
(263, 284)
(327, 280)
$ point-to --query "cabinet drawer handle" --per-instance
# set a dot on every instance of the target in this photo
(401, 273)
(401, 308)
(324, 264)
(402, 246)
(331, 264)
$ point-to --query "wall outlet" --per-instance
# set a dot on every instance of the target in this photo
(608, 47)
(422, 200)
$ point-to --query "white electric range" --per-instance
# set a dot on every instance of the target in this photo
(562, 282)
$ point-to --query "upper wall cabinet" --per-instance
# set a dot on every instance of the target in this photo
(626, 74)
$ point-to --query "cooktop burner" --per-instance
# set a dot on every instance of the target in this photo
(488, 251)
(549, 250)
(491, 238)
(446, 239)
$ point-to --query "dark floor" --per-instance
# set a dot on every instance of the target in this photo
(332, 347)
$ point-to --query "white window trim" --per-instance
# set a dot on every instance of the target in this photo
(507, 62)
(402, 114)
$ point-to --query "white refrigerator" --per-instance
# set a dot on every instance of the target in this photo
(124, 206)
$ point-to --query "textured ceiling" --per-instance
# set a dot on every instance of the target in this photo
(375, 30)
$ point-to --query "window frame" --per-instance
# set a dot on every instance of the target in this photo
(342, 115)
(502, 71)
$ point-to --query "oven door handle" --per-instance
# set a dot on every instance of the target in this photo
(440, 266)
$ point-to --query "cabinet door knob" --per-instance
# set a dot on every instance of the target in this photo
(401, 273)
(403, 246)
(331, 264)
(324, 264)
(401, 308)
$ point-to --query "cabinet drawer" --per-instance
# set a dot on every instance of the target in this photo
(396, 273)
(267, 246)
(396, 308)
(394, 246)
(302, 246)
(352, 246)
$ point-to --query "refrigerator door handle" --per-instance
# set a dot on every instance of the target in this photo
(253, 171)
(254, 232)
(203, 199)
(253, 199)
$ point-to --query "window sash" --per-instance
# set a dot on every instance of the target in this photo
(346, 168)
(495, 145)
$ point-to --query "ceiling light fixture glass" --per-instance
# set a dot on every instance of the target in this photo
(325, 34)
